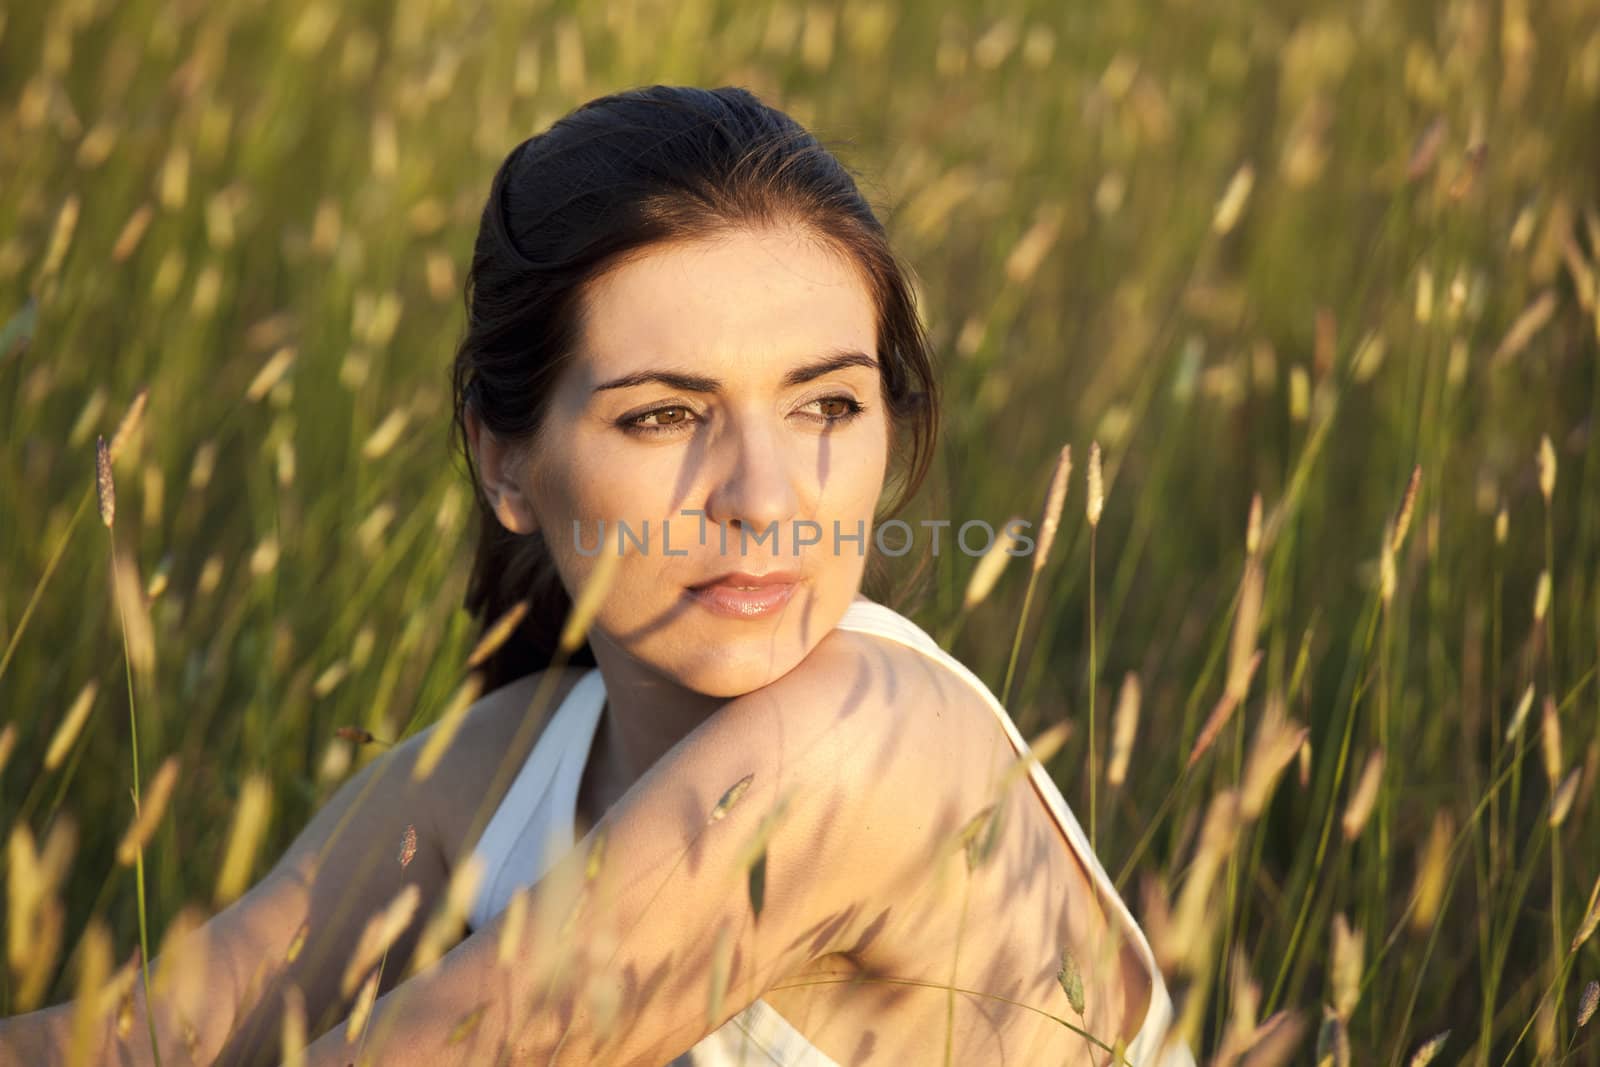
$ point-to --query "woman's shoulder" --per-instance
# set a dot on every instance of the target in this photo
(881, 646)
(916, 695)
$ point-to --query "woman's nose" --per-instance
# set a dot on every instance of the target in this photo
(755, 488)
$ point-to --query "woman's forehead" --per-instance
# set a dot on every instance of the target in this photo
(745, 305)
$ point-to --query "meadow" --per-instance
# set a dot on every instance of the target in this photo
(1316, 281)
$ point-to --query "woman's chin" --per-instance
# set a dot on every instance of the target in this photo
(735, 672)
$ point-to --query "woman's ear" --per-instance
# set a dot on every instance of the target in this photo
(497, 471)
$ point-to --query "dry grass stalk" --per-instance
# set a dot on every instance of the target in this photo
(1243, 658)
(1518, 717)
(1408, 503)
(1425, 153)
(132, 233)
(152, 805)
(408, 846)
(294, 1027)
(330, 679)
(1070, 978)
(1192, 928)
(1359, 809)
(1276, 1041)
(1054, 502)
(270, 374)
(1432, 871)
(35, 917)
(1550, 740)
(443, 732)
(71, 726)
(1547, 468)
(381, 931)
(1388, 575)
(1244, 1002)
(181, 965)
(513, 922)
(134, 612)
(721, 964)
(1333, 1041)
(444, 926)
(1276, 744)
(1234, 198)
(105, 487)
(1561, 800)
(1591, 919)
(249, 826)
(990, 567)
(590, 599)
(387, 434)
(1124, 728)
(1428, 1050)
(1587, 1003)
(1043, 747)
(132, 422)
(1533, 319)
(1031, 248)
(8, 744)
(1252, 529)
(1246, 626)
(497, 634)
(1097, 489)
(61, 237)
(1346, 962)
(729, 799)
(361, 1010)
(94, 968)
(1541, 597)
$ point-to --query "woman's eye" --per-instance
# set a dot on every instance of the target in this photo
(838, 409)
(668, 416)
(661, 420)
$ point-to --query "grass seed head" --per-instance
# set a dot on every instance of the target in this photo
(1547, 468)
(1124, 728)
(1359, 809)
(1408, 503)
(250, 818)
(105, 487)
(1428, 1050)
(1344, 978)
(1561, 800)
(71, 725)
(497, 634)
(294, 1027)
(1550, 739)
(1518, 717)
(151, 807)
(987, 573)
(1097, 488)
(1587, 1003)
(1055, 501)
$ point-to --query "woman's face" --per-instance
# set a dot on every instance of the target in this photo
(735, 377)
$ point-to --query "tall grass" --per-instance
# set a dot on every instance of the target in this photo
(1252, 251)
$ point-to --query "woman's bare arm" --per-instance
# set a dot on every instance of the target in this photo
(297, 926)
(617, 950)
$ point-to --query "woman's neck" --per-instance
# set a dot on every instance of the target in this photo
(645, 714)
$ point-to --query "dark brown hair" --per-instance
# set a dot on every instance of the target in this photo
(606, 182)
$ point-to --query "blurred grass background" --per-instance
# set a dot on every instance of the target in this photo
(1294, 250)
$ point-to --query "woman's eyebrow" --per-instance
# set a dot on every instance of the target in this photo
(699, 383)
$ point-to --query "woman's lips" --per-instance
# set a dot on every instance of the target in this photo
(728, 600)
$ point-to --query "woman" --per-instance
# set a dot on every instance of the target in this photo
(768, 820)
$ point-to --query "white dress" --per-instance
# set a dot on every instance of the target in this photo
(533, 828)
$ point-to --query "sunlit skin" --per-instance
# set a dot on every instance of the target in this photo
(744, 310)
